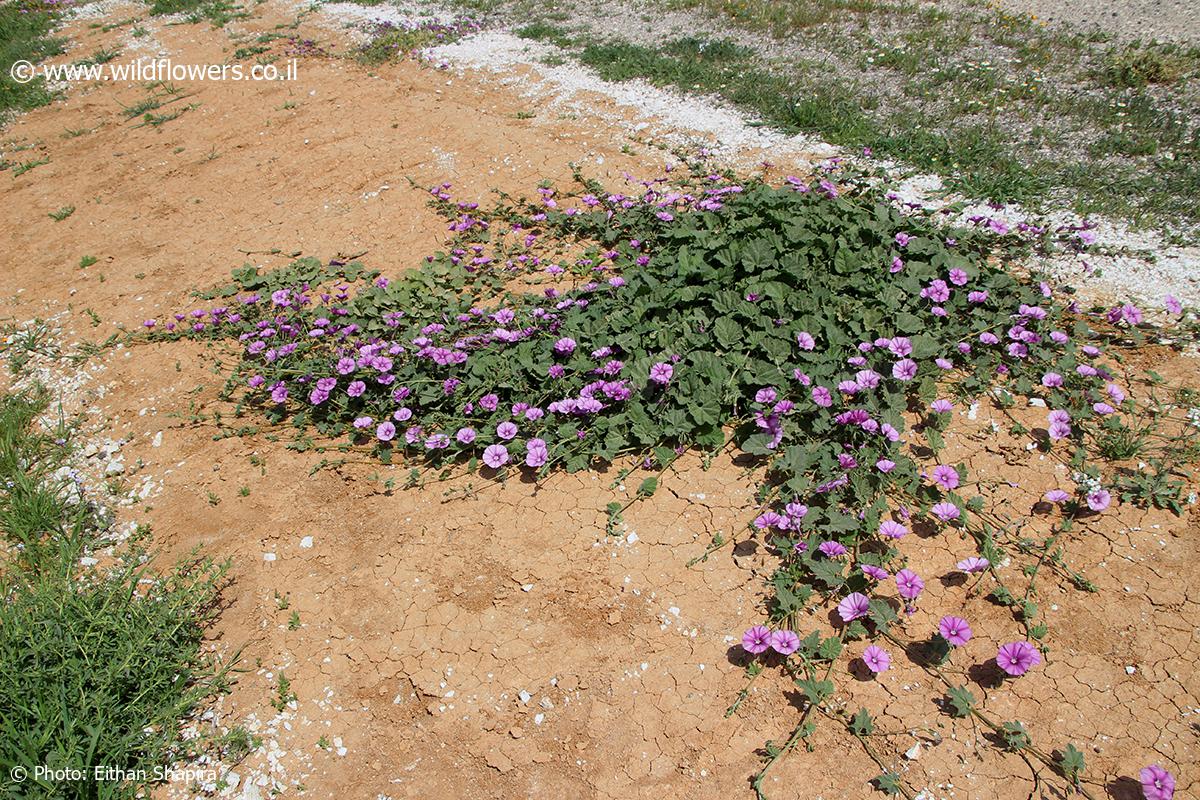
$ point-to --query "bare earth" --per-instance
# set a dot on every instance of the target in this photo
(476, 640)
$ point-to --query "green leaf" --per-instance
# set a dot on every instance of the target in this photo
(816, 691)
(1072, 763)
(648, 487)
(728, 332)
(862, 724)
(962, 702)
(888, 783)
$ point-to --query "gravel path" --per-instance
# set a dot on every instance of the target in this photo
(1166, 20)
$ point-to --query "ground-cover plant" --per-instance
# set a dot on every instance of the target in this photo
(98, 666)
(821, 329)
(389, 40)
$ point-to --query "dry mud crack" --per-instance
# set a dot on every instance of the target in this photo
(472, 639)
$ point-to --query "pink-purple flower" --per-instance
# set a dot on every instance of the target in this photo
(945, 511)
(954, 630)
(661, 373)
(945, 476)
(757, 639)
(495, 456)
(785, 642)
(853, 606)
(1157, 783)
(1098, 500)
(973, 564)
(876, 659)
(909, 584)
(1017, 658)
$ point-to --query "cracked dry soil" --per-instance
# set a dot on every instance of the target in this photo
(477, 640)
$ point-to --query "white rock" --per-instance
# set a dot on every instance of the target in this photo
(525, 697)
(306, 542)
(914, 752)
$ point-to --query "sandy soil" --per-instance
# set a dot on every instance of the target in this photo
(473, 639)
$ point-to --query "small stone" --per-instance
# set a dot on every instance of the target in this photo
(914, 752)
(268, 556)
(525, 697)
(306, 542)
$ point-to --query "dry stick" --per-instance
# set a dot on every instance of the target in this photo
(1037, 753)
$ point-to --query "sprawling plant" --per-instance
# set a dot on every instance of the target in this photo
(818, 326)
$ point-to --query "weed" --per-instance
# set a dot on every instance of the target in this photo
(62, 213)
(283, 693)
(21, 169)
(95, 667)
(87, 261)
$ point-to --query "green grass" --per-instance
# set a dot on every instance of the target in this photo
(97, 667)
(24, 36)
(999, 106)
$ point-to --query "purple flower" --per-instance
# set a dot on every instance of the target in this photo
(1099, 500)
(1052, 380)
(1017, 658)
(873, 572)
(954, 630)
(385, 432)
(1157, 783)
(465, 435)
(362, 423)
(822, 397)
(902, 239)
(941, 406)
(506, 430)
(756, 640)
(1103, 409)
(904, 370)
(853, 607)
(805, 340)
(661, 373)
(885, 465)
(832, 549)
(536, 453)
(785, 642)
(909, 584)
(489, 402)
(765, 395)
(946, 512)
(564, 346)
(892, 529)
(945, 476)
(1172, 304)
(876, 659)
(279, 393)
(495, 456)
(1056, 496)
(356, 388)
(973, 564)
